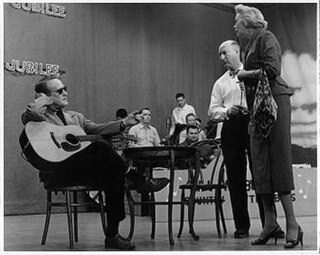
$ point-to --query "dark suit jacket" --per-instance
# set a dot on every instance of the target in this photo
(72, 118)
(264, 52)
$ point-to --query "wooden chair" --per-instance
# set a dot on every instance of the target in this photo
(71, 205)
(132, 203)
(215, 184)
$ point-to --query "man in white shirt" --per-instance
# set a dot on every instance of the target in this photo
(178, 117)
(146, 134)
(228, 104)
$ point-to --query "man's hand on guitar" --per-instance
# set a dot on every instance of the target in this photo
(41, 102)
(132, 119)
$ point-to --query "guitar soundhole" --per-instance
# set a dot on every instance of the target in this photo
(72, 139)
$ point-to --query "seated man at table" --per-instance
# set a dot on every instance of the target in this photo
(97, 164)
(147, 136)
(191, 120)
(206, 153)
(178, 117)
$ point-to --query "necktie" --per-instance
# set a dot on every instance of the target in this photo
(60, 115)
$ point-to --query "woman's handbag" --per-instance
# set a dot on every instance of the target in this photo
(264, 107)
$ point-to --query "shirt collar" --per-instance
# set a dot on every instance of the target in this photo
(54, 110)
(181, 108)
(233, 74)
(141, 126)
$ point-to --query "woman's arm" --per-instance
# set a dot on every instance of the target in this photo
(252, 74)
(269, 58)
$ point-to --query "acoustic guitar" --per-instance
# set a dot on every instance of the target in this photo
(55, 143)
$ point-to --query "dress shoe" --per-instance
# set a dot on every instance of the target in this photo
(118, 242)
(135, 176)
(241, 234)
(152, 185)
(278, 234)
(293, 243)
(122, 238)
(263, 241)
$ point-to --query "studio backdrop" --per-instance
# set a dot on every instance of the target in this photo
(132, 56)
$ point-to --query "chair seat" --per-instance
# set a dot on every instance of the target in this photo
(71, 188)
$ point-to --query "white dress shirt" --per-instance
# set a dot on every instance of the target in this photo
(179, 116)
(226, 92)
(147, 136)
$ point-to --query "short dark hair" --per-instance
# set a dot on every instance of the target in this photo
(145, 108)
(122, 113)
(180, 95)
(191, 127)
(190, 114)
(42, 85)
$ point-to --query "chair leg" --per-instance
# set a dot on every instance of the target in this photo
(69, 216)
(75, 216)
(217, 209)
(181, 213)
(153, 216)
(191, 213)
(47, 221)
(102, 213)
(222, 217)
(131, 209)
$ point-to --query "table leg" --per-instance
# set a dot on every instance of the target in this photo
(170, 199)
(191, 206)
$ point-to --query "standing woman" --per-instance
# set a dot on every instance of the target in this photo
(271, 156)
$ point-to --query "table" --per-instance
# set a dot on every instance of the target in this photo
(170, 154)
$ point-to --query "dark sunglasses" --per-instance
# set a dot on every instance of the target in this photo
(60, 91)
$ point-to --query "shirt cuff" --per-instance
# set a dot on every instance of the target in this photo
(224, 113)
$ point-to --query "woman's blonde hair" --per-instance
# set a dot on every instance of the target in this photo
(252, 15)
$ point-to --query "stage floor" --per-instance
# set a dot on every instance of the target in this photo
(23, 233)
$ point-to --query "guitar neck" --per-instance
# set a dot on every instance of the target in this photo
(90, 138)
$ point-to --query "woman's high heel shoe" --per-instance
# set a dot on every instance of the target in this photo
(292, 243)
(263, 241)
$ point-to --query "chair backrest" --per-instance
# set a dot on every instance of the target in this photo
(211, 129)
(177, 139)
(212, 170)
(218, 172)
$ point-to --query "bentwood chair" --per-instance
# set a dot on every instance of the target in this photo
(132, 202)
(215, 184)
(71, 198)
(72, 204)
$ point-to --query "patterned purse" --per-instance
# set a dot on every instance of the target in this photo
(265, 107)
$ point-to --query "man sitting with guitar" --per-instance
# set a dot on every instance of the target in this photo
(59, 144)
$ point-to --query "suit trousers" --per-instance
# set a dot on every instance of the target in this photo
(235, 142)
